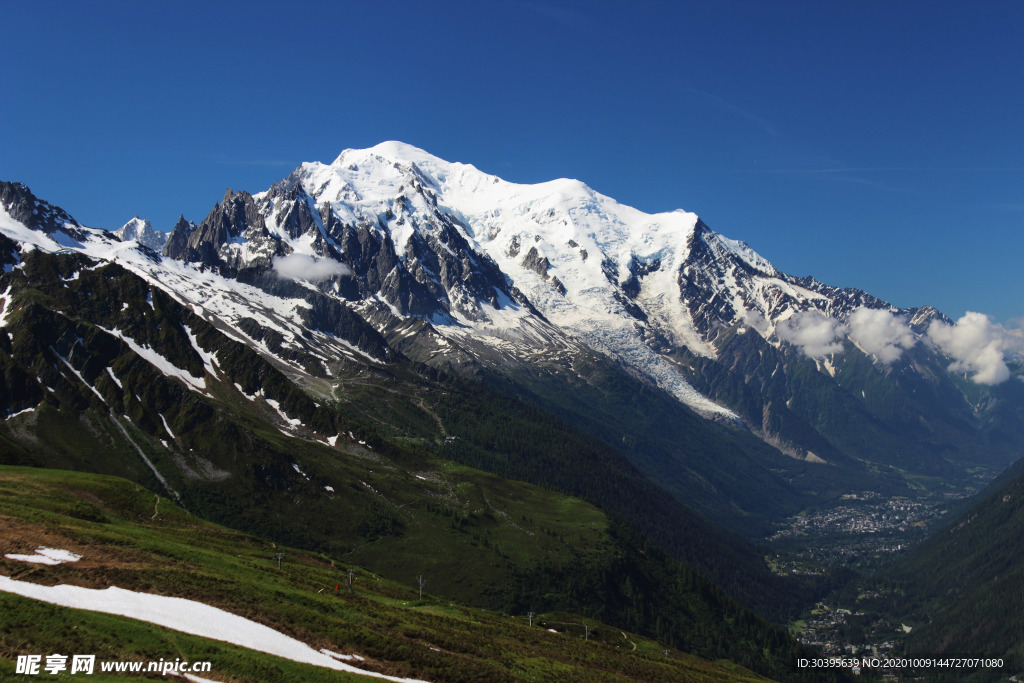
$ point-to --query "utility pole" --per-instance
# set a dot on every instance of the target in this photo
(278, 557)
(422, 583)
(531, 615)
(351, 572)
(586, 631)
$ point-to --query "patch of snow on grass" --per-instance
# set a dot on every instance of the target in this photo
(192, 678)
(78, 375)
(20, 412)
(167, 427)
(159, 362)
(294, 422)
(259, 392)
(44, 555)
(5, 307)
(186, 616)
(209, 359)
(347, 658)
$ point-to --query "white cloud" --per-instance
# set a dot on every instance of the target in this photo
(304, 267)
(977, 345)
(817, 335)
(756, 320)
(880, 333)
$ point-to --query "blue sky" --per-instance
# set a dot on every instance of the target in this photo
(878, 145)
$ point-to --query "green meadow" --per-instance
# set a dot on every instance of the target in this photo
(132, 538)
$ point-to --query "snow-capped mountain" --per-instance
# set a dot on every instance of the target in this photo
(602, 272)
(142, 231)
(485, 260)
(481, 257)
(566, 298)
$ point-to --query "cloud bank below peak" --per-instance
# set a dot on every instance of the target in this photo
(881, 333)
(979, 348)
(814, 333)
(304, 267)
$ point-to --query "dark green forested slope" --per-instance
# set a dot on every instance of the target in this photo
(721, 470)
(514, 439)
(962, 590)
(484, 428)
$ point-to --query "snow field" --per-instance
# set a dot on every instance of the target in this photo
(187, 616)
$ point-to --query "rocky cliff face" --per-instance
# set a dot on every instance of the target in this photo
(176, 245)
(434, 273)
(24, 208)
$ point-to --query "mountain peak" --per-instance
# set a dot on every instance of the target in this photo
(391, 150)
(141, 230)
(398, 149)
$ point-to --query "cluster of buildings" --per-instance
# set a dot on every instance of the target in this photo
(859, 530)
(832, 631)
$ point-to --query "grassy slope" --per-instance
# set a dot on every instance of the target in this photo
(129, 538)
(398, 513)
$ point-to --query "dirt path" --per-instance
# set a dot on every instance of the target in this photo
(429, 411)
